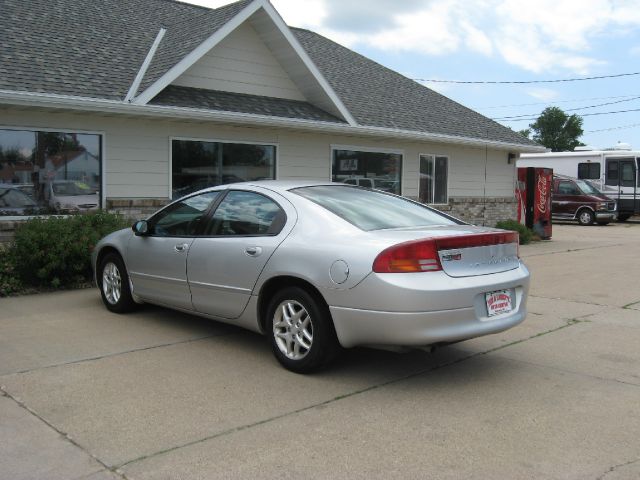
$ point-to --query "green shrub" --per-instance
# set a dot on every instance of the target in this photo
(56, 251)
(526, 235)
(9, 281)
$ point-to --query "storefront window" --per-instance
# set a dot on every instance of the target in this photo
(197, 165)
(381, 171)
(433, 179)
(49, 172)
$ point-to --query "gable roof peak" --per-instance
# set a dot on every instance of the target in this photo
(187, 41)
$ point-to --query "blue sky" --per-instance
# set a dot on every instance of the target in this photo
(499, 40)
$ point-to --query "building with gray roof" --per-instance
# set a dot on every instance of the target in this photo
(172, 97)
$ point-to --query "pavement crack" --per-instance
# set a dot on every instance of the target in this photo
(575, 372)
(295, 412)
(629, 306)
(340, 397)
(571, 250)
(569, 323)
(572, 301)
(62, 433)
(115, 354)
(615, 467)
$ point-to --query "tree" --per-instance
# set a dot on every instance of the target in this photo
(525, 132)
(556, 130)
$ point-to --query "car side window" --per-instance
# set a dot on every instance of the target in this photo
(183, 218)
(568, 188)
(246, 213)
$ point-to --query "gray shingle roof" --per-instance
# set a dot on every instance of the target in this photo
(95, 49)
(71, 47)
(184, 35)
(377, 96)
(242, 103)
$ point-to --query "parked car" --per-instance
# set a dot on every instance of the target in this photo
(27, 188)
(578, 200)
(70, 196)
(14, 201)
(317, 267)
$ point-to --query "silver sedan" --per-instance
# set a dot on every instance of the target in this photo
(318, 267)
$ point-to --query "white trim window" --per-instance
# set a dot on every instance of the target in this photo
(46, 171)
(198, 164)
(434, 174)
(381, 170)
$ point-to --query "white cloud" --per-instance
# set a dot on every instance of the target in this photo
(542, 36)
(544, 94)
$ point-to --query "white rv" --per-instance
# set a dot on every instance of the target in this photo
(612, 171)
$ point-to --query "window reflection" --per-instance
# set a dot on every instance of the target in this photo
(197, 165)
(368, 169)
(59, 172)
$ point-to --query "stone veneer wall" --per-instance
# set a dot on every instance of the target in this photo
(7, 227)
(480, 210)
(475, 210)
(136, 208)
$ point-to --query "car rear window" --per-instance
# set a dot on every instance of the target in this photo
(372, 210)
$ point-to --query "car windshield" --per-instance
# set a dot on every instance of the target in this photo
(372, 210)
(587, 188)
(72, 189)
(11, 197)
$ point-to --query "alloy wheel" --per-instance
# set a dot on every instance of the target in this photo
(111, 283)
(293, 329)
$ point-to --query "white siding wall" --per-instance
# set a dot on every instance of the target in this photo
(241, 63)
(137, 153)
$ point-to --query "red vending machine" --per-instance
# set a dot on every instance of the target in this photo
(534, 199)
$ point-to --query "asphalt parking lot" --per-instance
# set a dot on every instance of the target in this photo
(86, 394)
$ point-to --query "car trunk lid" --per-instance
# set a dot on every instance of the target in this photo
(463, 250)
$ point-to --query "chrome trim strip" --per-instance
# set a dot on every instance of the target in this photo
(225, 288)
(157, 277)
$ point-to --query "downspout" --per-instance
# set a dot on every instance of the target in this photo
(145, 65)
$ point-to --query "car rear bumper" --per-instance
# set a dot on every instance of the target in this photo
(442, 312)
(365, 327)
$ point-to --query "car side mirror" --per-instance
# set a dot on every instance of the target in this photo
(141, 228)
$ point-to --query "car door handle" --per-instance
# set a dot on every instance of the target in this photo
(181, 247)
(253, 251)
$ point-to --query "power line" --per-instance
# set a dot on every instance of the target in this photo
(570, 109)
(555, 102)
(584, 115)
(621, 127)
(526, 81)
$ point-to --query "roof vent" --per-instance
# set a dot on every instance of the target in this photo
(584, 148)
(621, 146)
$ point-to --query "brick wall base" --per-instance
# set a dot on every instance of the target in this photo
(481, 211)
(135, 208)
(475, 210)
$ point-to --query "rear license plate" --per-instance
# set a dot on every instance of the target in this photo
(498, 302)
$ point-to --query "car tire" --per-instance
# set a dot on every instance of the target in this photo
(623, 218)
(586, 217)
(301, 331)
(113, 282)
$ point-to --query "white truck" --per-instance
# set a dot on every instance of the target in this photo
(613, 171)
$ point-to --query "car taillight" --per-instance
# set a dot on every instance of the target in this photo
(414, 256)
(422, 255)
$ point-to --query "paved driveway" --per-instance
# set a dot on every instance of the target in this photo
(157, 394)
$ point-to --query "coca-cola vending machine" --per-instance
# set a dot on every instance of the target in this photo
(534, 199)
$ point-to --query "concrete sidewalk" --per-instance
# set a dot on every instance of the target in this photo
(87, 394)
